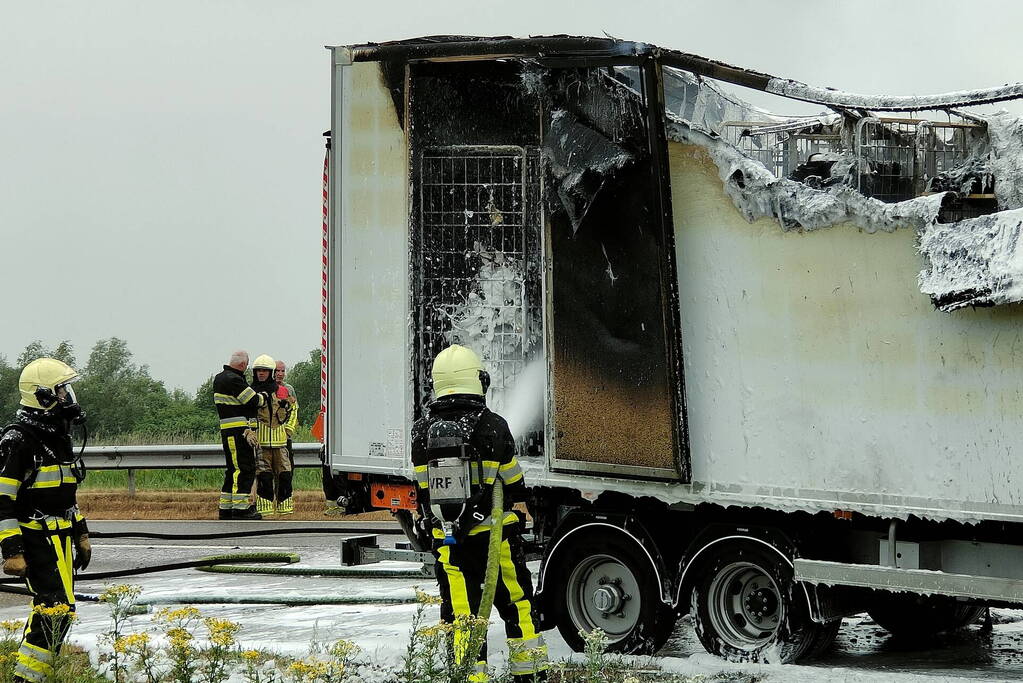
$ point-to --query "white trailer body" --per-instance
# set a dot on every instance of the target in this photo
(804, 375)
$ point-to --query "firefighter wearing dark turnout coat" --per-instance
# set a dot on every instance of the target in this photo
(460, 432)
(236, 404)
(43, 536)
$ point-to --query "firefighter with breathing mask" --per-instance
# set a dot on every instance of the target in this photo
(459, 449)
(43, 536)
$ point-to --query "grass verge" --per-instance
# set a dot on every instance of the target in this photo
(305, 479)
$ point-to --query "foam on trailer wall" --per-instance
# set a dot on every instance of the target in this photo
(817, 371)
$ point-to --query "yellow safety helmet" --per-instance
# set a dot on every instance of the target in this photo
(457, 370)
(40, 379)
(264, 362)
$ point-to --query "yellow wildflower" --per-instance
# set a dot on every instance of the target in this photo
(133, 642)
(344, 649)
(55, 612)
(435, 630)
(222, 631)
(309, 670)
(251, 655)
(425, 598)
(180, 638)
(120, 592)
(470, 621)
(11, 627)
(182, 614)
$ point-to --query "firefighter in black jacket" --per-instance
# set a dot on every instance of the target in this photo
(39, 519)
(460, 440)
(236, 405)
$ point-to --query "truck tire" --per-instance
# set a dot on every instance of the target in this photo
(746, 607)
(603, 583)
(918, 616)
(824, 639)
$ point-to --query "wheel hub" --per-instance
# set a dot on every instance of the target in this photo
(744, 605)
(608, 598)
(603, 592)
(760, 603)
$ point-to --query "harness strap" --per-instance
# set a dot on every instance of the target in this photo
(76, 464)
(476, 462)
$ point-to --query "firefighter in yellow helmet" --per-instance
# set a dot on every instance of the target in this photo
(43, 536)
(276, 420)
(459, 431)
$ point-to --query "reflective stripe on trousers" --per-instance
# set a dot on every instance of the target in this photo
(239, 472)
(461, 572)
(51, 581)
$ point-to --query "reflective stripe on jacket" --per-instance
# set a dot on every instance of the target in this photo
(273, 422)
(235, 400)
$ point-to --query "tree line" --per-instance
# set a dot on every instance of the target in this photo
(122, 398)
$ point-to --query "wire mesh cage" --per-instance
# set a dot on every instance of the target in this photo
(898, 157)
(477, 259)
(781, 151)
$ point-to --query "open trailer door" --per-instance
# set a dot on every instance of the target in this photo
(616, 397)
(368, 406)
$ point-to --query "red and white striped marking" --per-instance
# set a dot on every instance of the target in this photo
(323, 291)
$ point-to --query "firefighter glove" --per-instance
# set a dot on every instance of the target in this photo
(15, 565)
(83, 551)
(251, 438)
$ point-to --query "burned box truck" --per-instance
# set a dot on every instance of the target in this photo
(763, 370)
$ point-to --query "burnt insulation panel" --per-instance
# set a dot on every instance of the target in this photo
(611, 379)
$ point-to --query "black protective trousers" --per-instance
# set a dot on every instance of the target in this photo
(273, 474)
(240, 469)
(51, 580)
(285, 486)
(461, 571)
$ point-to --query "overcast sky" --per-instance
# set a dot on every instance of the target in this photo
(160, 162)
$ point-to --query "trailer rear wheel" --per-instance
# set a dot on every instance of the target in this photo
(746, 607)
(603, 585)
(917, 616)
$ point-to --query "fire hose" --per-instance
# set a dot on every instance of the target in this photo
(247, 534)
(238, 563)
(275, 557)
(227, 562)
(241, 563)
(493, 561)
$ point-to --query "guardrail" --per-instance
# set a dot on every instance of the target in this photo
(179, 457)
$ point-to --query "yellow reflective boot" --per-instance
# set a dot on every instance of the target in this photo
(286, 506)
(264, 506)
